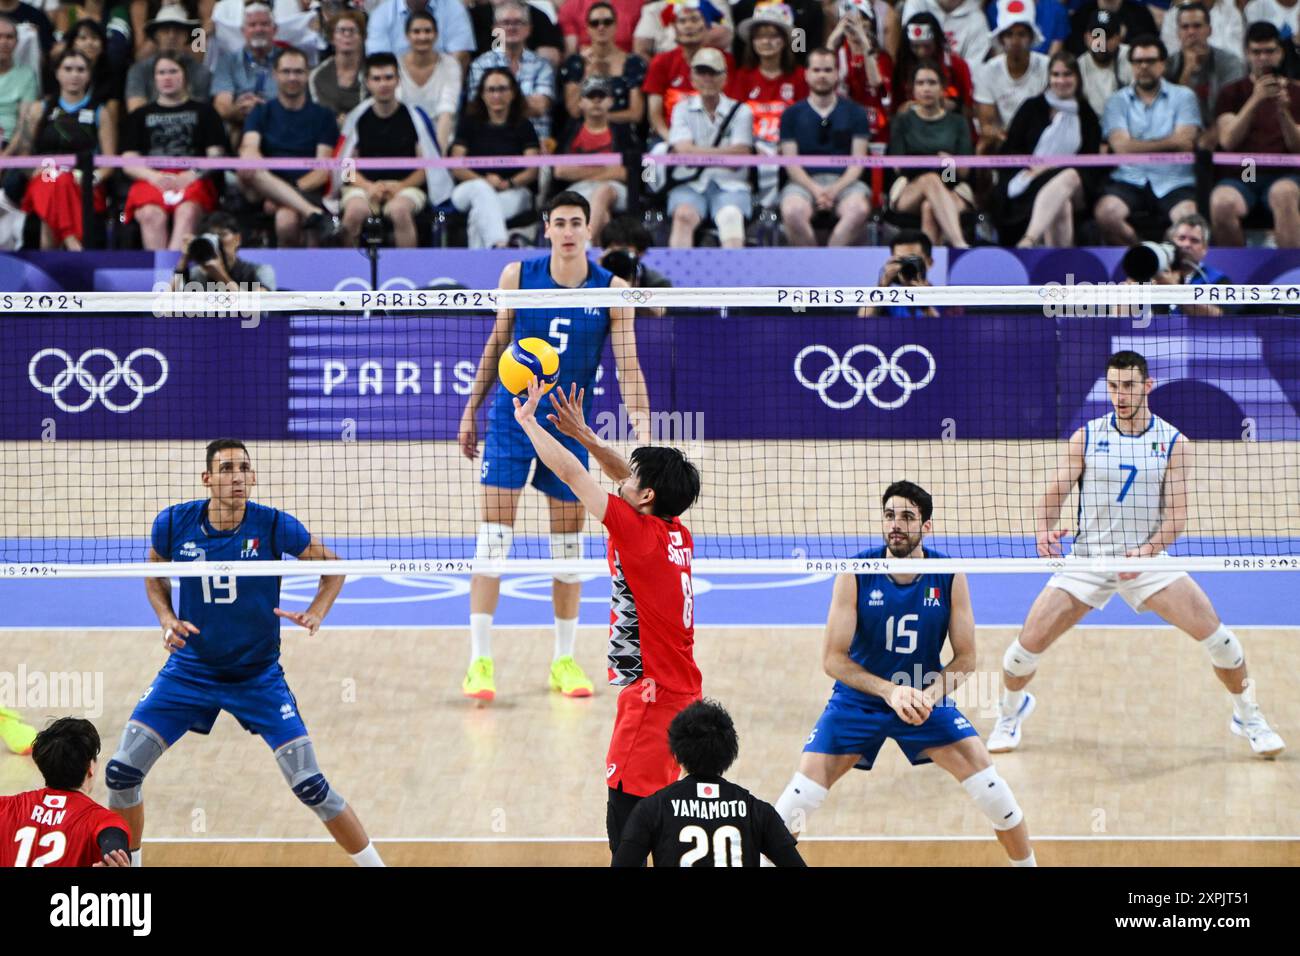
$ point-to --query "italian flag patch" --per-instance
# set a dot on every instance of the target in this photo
(250, 544)
(933, 594)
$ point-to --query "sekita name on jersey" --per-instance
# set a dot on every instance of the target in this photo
(676, 553)
(709, 809)
(103, 909)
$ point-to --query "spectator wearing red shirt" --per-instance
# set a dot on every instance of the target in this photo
(866, 72)
(668, 80)
(573, 22)
(924, 39)
(768, 80)
(604, 187)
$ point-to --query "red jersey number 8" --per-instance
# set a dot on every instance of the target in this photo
(688, 601)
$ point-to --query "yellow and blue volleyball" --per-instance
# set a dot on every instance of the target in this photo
(525, 359)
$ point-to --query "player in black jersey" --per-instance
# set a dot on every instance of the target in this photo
(702, 819)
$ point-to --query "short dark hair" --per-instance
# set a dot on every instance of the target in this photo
(1193, 6)
(6, 18)
(1262, 31)
(291, 51)
(422, 15)
(602, 3)
(221, 444)
(673, 479)
(822, 51)
(219, 220)
(1128, 359)
(627, 231)
(566, 198)
(63, 752)
(702, 738)
(381, 59)
(1148, 39)
(913, 493)
(908, 237)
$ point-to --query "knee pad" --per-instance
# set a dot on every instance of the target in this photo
(567, 547)
(802, 796)
(1019, 662)
(136, 754)
(494, 541)
(297, 762)
(730, 222)
(1224, 649)
(994, 798)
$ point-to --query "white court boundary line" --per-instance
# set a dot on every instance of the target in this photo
(856, 838)
(325, 628)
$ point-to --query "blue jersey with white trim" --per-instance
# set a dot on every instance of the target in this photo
(578, 334)
(239, 634)
(901, 629)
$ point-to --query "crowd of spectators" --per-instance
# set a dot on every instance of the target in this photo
(315, 79)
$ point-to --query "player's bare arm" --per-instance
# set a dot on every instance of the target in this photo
(908, 702)
(961, 635)
(159, 592)
(497, 343)
(556, 457)
(1173, 502)
(1048, 509)
(326, 593)
(631, 383)
(568, 418)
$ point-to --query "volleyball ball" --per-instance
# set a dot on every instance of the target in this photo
(525, 359)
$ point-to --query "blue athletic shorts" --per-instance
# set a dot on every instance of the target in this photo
(177, 703)
(848, 728)
(508, 454)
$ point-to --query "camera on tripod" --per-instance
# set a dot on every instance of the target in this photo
(372, 232)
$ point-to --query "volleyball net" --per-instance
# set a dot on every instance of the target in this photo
(798, 409)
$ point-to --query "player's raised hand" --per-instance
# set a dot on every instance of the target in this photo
(910, 704)
(467, 437)
(116, 858)
(1049, 544)
(302, 618)
(527, 412)
(569, 418)
(174, 633)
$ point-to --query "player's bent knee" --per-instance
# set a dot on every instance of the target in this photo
(494, 541)
(136, 754)
(297, 762)
(567, 547)
(1225, 651)
(1019, 662)
(994, 798)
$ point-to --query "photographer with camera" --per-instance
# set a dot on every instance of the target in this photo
(212, 259)
(625, 243)
(908, 265)
(1179, 260)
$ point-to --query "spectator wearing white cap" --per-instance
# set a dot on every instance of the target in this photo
(1003, 83)
(171, 32)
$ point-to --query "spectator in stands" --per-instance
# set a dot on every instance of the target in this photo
(544, 36)
(928, 128)
(710, 122)
(626, 241)
(909, 264)
(297, 24)
(336, 82)
(824, 125)
(1283, 14)
(865, 70)
(290, 125)
(173, 125)
(1226, 28)
(604, 187)
(536, 77)
(218, 264)
(962, 21)
(624, 71)
(924, 40)
(245, 79)
(386, 30)
(1150, 116)
(577, 34)
(807, 21)
(170, 32)
(1003, 83)
(113, 17)
(88, 38)
(1051, 18)
(884, 18)
(384, 126)
(668, 81)
(18, 87)
(1104, 66)
(1259, 114)
(142, 11)
(655, 31)
(1135, 20)
(68, 122)
(494, 123)
(429, 79)
(1199, 66)
(1035, 206)
(24, 13)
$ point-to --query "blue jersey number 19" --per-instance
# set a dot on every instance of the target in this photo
(226, 584)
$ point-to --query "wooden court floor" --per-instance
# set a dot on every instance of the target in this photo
(1128, 759)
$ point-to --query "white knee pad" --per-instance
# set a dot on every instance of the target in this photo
(494, 541)
(567, 547)
(994, 798)
(730, 223)
(1019, 662)
(1224, 649)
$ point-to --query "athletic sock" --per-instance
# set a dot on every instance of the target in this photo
(135, 858)
(480, 636)
(1011, 702)
(801, 797)
(367, 857)
(566, 636)
(1243, 704)
(1027, 861)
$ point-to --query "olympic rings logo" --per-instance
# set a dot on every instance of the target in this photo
(121, 373)
(637, 295)
(864, 384)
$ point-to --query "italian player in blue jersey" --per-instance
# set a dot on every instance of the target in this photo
(579, 335)
(884, 635)
(225, 646)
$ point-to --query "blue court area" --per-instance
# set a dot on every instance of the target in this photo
(1258, 598)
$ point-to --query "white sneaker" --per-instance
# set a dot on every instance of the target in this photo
(1006, 733)
(1264, 740)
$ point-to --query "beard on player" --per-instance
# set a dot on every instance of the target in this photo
(900, 543)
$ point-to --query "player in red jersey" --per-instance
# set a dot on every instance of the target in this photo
(652, 612)
(60, 825)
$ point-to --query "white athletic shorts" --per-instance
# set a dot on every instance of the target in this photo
(1096, 590)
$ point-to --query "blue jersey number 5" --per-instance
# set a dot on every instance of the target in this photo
(1128, 482)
